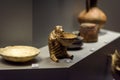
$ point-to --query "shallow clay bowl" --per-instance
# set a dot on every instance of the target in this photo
(19, 53)
(67, 39)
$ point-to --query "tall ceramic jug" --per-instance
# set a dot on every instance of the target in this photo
(92, 14)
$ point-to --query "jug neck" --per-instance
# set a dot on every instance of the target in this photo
(90, 4)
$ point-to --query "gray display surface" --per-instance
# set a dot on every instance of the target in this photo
(43, 61)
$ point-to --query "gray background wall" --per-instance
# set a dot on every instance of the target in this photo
(15, 22)
(29, 22)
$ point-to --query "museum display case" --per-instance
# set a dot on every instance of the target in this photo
(92, 61)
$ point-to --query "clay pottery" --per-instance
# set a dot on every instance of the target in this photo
(19, 53)
(67, 39)
(89, 32)
(116, 61)
(92, 14)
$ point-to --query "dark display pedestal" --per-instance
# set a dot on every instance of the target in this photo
(93, 67)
